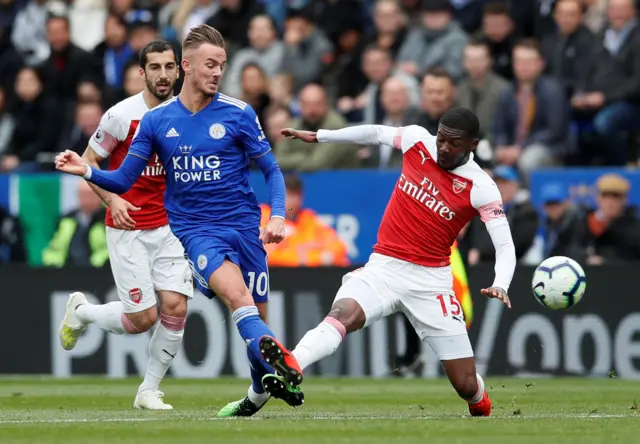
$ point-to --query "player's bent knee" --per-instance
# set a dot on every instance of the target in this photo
(173, 304)
(141, 322)
(348, 313)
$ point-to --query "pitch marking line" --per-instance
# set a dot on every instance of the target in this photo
(315, 418)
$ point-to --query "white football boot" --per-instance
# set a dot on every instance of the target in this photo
(71, 328)
(151, 400)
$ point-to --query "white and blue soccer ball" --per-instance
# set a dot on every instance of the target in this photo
(559, 282)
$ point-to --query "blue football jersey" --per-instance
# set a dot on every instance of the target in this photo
(206, 157)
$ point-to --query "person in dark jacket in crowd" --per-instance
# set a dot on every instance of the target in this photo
(563, 225)
(11, 240)
(521, 214)
(612, 232)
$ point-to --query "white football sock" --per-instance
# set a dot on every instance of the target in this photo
(107, 316)
(259, 399)
(480, 393)
(163, 347)
(320, 342)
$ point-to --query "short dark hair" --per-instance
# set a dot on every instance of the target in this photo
(462, 119)
(478, 42)
(439, 73)
(529, 43)
(293, 183)
(157, 46)
(497, 8)
(200, 35)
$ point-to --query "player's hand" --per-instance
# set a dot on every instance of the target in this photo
(497, 293)
(120, 213)
(305, 136)
(71, 162)
(274, 232)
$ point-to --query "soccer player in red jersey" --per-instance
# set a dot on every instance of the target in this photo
(147, 260)
(440, 189)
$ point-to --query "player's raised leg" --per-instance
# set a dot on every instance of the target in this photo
(358, 304)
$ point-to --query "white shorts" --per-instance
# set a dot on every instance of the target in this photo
(386, 285)
(144, 261)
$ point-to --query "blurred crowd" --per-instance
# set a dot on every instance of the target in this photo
(554, 82)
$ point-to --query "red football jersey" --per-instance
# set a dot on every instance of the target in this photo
(429, 206)
(112, 139)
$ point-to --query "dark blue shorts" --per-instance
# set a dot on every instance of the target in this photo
(206, 253)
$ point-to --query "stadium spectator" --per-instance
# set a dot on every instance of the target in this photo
(482, 88)
(308, 242)
(281, 93)
(142, 29)
(532, 122)
(80, 238)
(377, 66)
(562, 224)
(568, 50)
(87, 118)
(498, 32)
(437, 97)
(336, 17)
(7, 123)
(191, 13)
(277, 118)
(255, 92)
(595, 15)
(133, 81)
(521, 214)
(437, 43)
(308, 51)
(264, 49)
(12, 249)
(609, 92)
(29, 33)
(613, 229)
(315, 113)
(232, 20)
(36, 123)
(67, 64)
(114, 52)
(396, 111)
(389, 28)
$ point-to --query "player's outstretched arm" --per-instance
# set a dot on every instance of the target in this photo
(118, 181)
(360, 134)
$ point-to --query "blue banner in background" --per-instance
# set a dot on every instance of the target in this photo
(580, 183)
(351, 201)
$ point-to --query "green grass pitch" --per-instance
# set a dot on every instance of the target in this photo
(96, 410)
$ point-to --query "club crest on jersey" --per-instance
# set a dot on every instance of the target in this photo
(202, 262)
(459, 186)
(136, 295)
(217, 131)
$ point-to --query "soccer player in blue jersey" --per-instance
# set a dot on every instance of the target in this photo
(205, 141)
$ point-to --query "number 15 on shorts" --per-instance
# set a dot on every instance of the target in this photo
(449, 305)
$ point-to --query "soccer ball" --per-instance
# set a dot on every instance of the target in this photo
(559, 282)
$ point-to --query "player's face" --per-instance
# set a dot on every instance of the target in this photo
(161, 73)
(204, 66)
(453, 147)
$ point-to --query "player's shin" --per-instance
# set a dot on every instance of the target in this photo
(109, 317)
(252, 328)
(320, 342)
(163, 347)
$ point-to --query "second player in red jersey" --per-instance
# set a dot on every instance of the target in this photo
(147, 260)
(439, 191)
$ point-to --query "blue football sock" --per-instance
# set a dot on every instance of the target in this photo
(252, 328)
(257, 372)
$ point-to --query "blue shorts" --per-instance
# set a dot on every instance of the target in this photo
(206, 253)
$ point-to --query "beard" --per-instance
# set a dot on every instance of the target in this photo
(160, 96)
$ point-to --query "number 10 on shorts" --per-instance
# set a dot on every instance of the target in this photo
(260, 284)
(449, 305)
